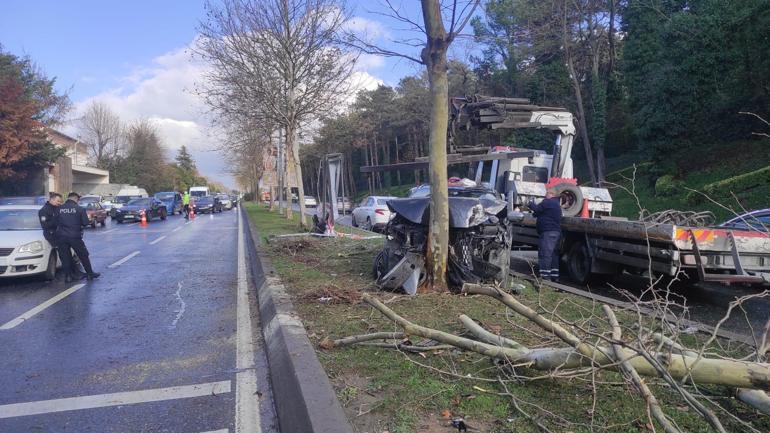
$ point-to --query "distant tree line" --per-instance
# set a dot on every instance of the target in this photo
(662, 79)
(134, 153)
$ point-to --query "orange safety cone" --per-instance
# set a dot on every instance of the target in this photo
(192, 212)
(143, 216)
(584, 210)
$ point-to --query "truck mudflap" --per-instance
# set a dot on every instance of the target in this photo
(599, 199)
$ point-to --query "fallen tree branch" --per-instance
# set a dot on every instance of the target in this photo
(727, 372)
(408, 347)
(628, 371)
(353, 339)
(486, 336)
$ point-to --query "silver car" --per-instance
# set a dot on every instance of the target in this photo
(23, 248)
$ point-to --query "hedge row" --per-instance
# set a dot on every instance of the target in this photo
(735, 184)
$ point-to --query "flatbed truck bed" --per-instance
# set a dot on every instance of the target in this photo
(608, 245)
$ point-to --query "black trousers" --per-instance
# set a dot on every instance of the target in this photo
(51, 238)
(77, 244)
(548, 254)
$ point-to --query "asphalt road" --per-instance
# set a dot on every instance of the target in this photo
(167, 340)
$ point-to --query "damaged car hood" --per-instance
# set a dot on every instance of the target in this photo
(464, 212)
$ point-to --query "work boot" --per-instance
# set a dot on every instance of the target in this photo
(92, 275)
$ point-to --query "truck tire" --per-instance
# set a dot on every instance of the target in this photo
(571, 199)
(579, 263)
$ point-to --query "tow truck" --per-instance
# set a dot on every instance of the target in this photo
(593, 242)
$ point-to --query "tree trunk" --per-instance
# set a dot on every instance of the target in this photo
(293, 146)
(398, 172)
(578, 97)
(435, 58)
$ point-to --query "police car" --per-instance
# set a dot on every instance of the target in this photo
(23, 249)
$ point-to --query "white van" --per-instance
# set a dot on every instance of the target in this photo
(124, 196)
(199, 191)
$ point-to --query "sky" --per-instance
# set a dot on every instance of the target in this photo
(134, 56)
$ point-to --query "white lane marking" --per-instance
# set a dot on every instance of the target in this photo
(124, 260)
(246, 402)
(176, 229)
(108, 231)
(19, 320)
(114, 399)
(158, 240)
(182, 307)
(224, 430)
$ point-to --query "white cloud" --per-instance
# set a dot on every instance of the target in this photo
(367, 28)
(164, 93)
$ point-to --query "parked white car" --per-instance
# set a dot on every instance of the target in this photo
(310, 201)
(23, 248)
(372, 213)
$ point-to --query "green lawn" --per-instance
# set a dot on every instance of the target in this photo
(382, 389)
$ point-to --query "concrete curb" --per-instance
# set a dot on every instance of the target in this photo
(305, 400)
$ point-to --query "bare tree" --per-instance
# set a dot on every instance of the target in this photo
(436, 13)
(277, 60)
(102, 129)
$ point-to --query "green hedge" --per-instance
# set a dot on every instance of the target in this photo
(667, 186)
(735, 184)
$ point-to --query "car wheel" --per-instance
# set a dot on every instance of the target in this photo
(104, 222)
(353, 221)
(368, 225)
(50, 272)
(163, 215)
(120, 221)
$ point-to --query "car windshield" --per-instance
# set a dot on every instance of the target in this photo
(140, 202)
(165, 196)
(21, 200)
(19, 219)
(197, 193)
(86, 200)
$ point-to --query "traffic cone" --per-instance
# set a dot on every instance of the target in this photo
(584, 211)
(192, 212)
(143, 221)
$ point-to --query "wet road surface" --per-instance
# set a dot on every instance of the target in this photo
(167, 340)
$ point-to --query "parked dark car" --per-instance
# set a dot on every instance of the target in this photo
(26, 200)
(207, 204)
(96, 213)
(132, 211)
(172, 200)
(756, 220)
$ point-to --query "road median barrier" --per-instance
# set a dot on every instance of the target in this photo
(304, 398)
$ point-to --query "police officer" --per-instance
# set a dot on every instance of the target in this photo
(69, 234)
(48, 214)
(186, 203)
(548, 214)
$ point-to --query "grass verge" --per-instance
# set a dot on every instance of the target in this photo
(385, 390)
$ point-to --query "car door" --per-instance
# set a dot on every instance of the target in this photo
(368, 209)
(359, 210)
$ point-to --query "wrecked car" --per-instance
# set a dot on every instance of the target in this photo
(480, 235)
